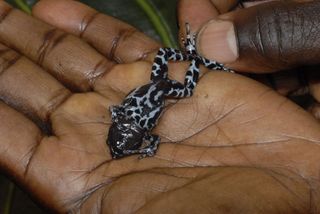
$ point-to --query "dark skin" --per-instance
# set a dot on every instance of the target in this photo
(243, 146)
(263, 37)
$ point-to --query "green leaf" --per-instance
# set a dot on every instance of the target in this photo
(22, 4)
(158, 22)
(129, 11)
(9, 199)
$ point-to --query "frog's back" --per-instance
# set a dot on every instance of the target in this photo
(145, 103)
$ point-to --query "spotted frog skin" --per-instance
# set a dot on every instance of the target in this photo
(133, 120)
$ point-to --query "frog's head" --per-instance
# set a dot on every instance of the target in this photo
(124, 135)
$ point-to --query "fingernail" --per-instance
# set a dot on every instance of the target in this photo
(217, 41)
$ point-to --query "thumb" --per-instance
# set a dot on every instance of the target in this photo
(265, 38)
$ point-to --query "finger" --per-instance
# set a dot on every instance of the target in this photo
(68, 58)
(28, 88)
(197, 13)
(314, 89)
(254, 3)
(189, 12)
(43, 165)
(314, 109)
(113, 38)
(126, 77)
(313, 77)
(34, 160)
(264, 38)
(285, 83)
(19, 137)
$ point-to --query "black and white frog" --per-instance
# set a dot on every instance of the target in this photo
(133, 120)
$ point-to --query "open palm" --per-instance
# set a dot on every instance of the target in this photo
(234, 144)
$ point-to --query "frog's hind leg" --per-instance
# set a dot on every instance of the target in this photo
(190, 46)
(190, 41)
(160, 63)
(213, 65)
(178, 90)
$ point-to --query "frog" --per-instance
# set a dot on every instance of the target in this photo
(135, 118)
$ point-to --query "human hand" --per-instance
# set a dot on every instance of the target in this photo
(263, 37)
(266, 36)
(222, 149)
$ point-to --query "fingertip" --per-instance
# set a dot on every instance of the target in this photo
(68, 15)
(217, 40)
(4, 5)
(196, 13)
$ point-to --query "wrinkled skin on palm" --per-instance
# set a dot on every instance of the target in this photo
(242, 146)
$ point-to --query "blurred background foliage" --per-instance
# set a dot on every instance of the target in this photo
(156, 18)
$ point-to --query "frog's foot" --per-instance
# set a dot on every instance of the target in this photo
(214, 65)
(190, 41)
(190, 46)
(152, 147)
(147, 151)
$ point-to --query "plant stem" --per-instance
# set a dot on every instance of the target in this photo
(158, 22)
(23, 6)
(9, 199)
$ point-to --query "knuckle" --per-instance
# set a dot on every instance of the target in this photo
(7, 58)
(119, 39)
(5, 10)
(50, 40)
(86, 21)
(56, 99)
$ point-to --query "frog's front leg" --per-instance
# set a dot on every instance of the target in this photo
(115, 112)
(149, 150)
